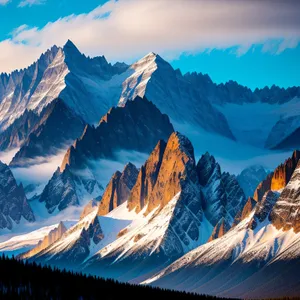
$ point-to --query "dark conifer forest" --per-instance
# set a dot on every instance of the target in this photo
(23, 280)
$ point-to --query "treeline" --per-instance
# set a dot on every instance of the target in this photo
(24, 280)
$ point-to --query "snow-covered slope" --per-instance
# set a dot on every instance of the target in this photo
(155, 78)
(89, 86)
(169, 212)
(176, 216)
(85, 238)
(257, 258)
(233, 265)
(24, 242)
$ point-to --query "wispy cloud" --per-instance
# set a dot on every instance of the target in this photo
(4, 2)
(24, 3)
(40, 172)
(7, 156)
(127, 29)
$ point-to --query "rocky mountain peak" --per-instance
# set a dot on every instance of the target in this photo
(177, 166)
(121, 128)
(69, 45)
(245, 211)
(279, 178)
(285, 213)
(219, 230)
(283, 173)
(164, 173)
(13, 203)
(147, 177)
(48, 240)
(205, 168)
(118, 189)
(223, 196)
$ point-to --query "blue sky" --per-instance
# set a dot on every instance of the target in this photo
(259, 47)
(12, 15)
(254, 69)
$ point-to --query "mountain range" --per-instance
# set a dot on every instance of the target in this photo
(174, 220)
(89, 87)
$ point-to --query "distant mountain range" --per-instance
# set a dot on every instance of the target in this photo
(89, 87)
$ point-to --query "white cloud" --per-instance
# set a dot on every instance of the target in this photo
(30, 2)
(4, 2)
(7, 156)
(127, 29)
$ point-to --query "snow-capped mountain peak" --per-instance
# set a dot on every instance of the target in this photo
(66, 73)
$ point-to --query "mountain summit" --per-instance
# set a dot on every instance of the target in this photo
(60, 73)
(175, 96)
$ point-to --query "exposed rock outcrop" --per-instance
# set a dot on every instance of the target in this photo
(283, 173)
(13, 202)
(58, 125)
(279, 178)
(15, 135)
(245, 212)
(64, 189)
(136, 126)
(147, 178)
(285, 213)
(118, 189)
(263, 208)
(48, 240)
(74, 245)
(178, 166)
(263, 187)
(223, 196)
(219, 230)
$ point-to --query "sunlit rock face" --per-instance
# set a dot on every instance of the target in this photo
(245, 212)
(160, 178)
(147, 177)
(13, 203)
(285, 213)
(178, 165)
(263, 187)
(118, 189)
(48, 240)
(219, 230)
(279, 178)
(283, 173)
